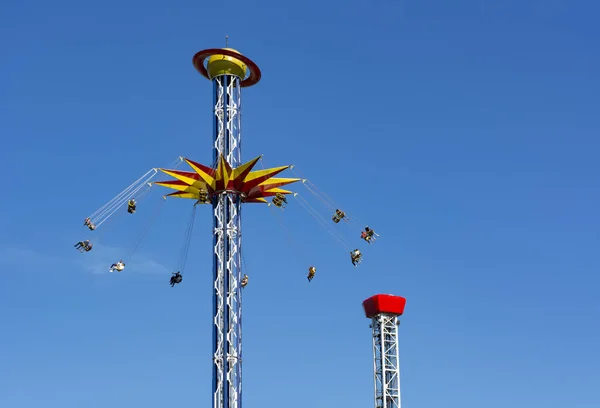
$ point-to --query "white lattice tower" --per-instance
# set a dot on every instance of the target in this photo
(229, 71)
(383, 310)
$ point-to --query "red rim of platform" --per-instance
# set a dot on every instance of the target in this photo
(201, 56)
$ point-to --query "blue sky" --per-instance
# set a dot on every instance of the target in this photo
(464, 132)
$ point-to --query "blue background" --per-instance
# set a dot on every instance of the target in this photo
(464, 132)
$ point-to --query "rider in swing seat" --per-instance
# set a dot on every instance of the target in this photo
(203, 196)
(356, 257)
(119, 266)
(176, 278)
(131, 206)
(88, 223)
(311, 273)
(279, 200)
(370, 233)
(83, 246)
(338, 216)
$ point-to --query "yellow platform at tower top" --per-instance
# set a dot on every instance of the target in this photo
(219, 64)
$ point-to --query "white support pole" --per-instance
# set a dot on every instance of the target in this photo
(386, 361)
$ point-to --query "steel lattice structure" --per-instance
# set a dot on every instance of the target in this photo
(386, 361)
(226, 185)
(383, 310)
(227, 270)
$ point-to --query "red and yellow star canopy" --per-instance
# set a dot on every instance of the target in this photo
(253, 186)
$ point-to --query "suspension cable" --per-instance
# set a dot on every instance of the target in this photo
(313, 213)
(142, 184)
(146, 229)
(320, 194)
(118, 204)
(290, 238)
(186, 242)
(327, 201)
(106, 207)
(244, 262)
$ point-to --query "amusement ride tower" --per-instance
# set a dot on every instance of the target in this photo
(226, 185)
(383, 310)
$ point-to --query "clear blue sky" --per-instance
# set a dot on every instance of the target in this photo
(465, 132)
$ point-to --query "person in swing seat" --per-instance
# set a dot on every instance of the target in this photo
(131, 206)
(370, 233)
(119, 266)
(311, 273)
(338, 216)
(203, 196)
(176, 278)
(83, 246)
(88, 223)
(356, 257)
(279, 200)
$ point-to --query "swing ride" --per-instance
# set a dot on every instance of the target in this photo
(205, 185)
(225, 186)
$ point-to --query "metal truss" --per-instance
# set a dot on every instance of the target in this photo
(386, 361)
(227, 268)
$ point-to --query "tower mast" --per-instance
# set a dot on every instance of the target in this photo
(227, 69)
(225, 186)
(383, 310)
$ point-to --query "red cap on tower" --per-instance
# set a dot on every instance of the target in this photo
(388, 304)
